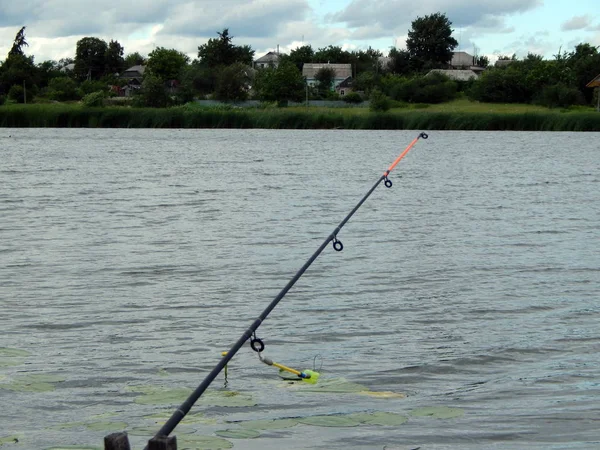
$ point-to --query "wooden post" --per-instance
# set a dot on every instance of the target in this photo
(163, 443)
(116, 441)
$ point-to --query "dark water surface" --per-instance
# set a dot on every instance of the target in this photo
(134, 257)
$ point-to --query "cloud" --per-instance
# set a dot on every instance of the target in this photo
(397, 15)
(576, 23)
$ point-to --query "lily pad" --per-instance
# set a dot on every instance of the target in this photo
(193, 442)
(9, 440)
(335, 385)
(275, 424)
(238, 434)
(437, 412)
(106, 426)
(330, 421)
(25, 386)
(380, 418)
(9, 362)
(227, 399)
(13, 352)
(166, 396)
(383, 394)
(42, 378)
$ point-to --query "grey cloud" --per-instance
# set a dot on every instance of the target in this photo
(396, 15)
(576, 23)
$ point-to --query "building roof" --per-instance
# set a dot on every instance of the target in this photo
(347, 83)
(68, 67)
(594, 83)
(457, 75)
(462, 59)
(139, 69)
(268, 58)
(342, 71)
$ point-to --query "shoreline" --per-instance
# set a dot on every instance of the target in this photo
(75, 116)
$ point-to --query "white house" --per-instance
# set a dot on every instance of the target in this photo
(271, 59)
(342, 72)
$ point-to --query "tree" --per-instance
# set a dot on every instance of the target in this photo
(166, 64)
(90, 53)
(18, 70)
(62, 89)
(430, 42)
(280, 84)
(365, 61)
(482, 61)
(333, 55)
(222, 52)
(299, 56)
(153, 92)
(399, 62)
(325, 78)
(19, 43)
(584, 63)
(134, 59)
(114, 61)
(233, 83)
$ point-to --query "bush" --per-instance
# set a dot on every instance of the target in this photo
(434, 88)
(63, 89)
(379, 102)
(94, 99)
(559, 96)
(2, 99)
(90, 86)
(16, 93)
(352, 97)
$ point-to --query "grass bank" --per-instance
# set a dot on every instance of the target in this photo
(451, 116)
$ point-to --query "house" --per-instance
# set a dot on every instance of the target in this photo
(271, 59)
(595, 83)
(68, 68)
(342, 72)
(345, 87)
(134, 74)
(456, 74)
(462, 60)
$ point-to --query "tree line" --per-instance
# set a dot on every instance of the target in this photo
(224, 71)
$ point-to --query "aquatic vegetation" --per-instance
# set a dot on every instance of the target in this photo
(437, 412)
(13, 439)
(380, 418)
(48, 115)
(274, 424)
(330, 421)
(238, 434)
(12, 356)
(196, 442)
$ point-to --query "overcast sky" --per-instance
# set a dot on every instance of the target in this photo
(491, 26)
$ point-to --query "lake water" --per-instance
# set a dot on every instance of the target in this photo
(130, 259)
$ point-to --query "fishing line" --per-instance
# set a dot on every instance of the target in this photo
(257, 344)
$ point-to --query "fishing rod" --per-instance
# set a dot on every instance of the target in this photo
(250, 334)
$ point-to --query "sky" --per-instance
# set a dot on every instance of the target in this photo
(482, 27)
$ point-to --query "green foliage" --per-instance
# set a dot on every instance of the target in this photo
(280, 84)
(430, 42)
(325, 78)
(366, 82)
(16, 93)
(233, 83)
(400, 62)
(153, 93)
(134, 59)
(379, 102)
(221, 52)
(353, 98)
(559, 96)
(434, 88)
(90, 53)
(166, 63)
(94, 99)
(89, 86)
(18, 44)
(18, 69)
(333, 55)
(299, 56)
(62, 89)
(2, 99)
(114, 61)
